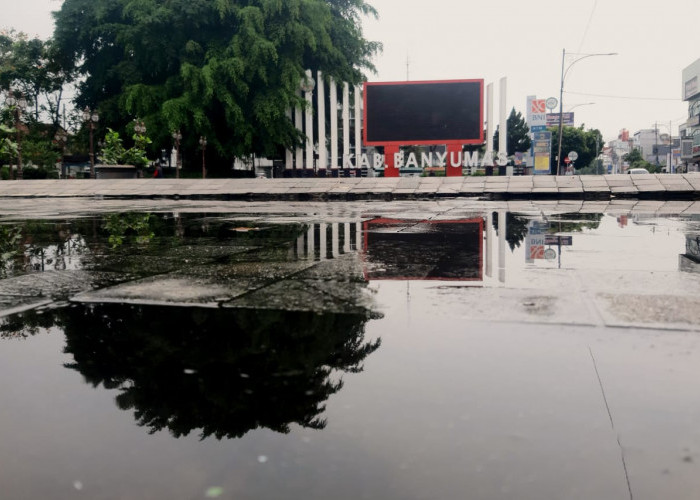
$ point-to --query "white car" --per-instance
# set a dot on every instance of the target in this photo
(635, 171)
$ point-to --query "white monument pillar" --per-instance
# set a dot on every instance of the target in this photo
(333, 104)
(321, 106)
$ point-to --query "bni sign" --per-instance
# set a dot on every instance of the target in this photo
(536, 114)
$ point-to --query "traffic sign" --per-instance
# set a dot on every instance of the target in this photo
(551, 102)
(573, 155)
(567, 160)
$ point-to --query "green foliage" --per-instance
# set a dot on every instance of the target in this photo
(129, 226)
(518, 140)
(113, 151)
(227, 69)
(10, 239)
(30, 66)
(8, 148)
(635, 160)
(587, 143)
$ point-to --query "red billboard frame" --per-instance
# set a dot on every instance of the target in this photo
(479, 140)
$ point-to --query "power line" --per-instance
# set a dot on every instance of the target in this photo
(588, 25)
(624, 97)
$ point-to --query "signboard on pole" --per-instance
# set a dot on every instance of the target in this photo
(541, 152)
(536, 114)
(567, 119)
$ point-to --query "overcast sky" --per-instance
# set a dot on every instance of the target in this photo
(523, 41)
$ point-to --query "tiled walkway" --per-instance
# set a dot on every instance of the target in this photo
(654, 186)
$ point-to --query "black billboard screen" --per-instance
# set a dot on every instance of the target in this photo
(440, 112)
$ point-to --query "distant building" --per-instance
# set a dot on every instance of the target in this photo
(690, 131)
(617, 149)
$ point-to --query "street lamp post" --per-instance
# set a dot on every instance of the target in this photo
(177, 137)
(20, 104)
(91, 118)
(561, 95)
(580, 104)
(61, 140)
(203, 145)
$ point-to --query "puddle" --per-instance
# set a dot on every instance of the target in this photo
(360, 351)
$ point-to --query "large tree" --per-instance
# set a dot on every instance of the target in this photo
(518, 136)
(587, 143)
(28, 65)
(225, 69)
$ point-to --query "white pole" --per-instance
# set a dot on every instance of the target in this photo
(299, 152)
(489, 118)
(309, 128)
(346, 122)
(321, 106)
(358, 126)
(334, 122)
(503, 123)
(288, 154)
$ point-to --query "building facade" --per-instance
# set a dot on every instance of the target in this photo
(690, 131)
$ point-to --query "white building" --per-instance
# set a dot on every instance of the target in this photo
(690, 131)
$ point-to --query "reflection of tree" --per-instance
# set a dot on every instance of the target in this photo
(26, 324)
(10, 237)
(128, 227)
(223, 372)
(516, 229)
(574, 223)
(516, 225)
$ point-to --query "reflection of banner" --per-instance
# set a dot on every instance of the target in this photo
(567, 119)
(535, 240)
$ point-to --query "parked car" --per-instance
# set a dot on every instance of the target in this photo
(635, 171)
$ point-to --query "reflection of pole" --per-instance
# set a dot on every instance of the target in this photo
(346, 238)
(310, 242)
(300, 247)
(358, 235)
(322, 243)
(502, 246)
(335, 240)
(489, 245)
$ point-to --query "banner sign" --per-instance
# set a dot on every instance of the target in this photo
(567, 119)
(541, 152)
(536, 114)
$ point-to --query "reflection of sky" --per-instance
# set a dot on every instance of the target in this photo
(609, 249)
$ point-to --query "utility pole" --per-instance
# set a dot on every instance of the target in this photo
(656, 134)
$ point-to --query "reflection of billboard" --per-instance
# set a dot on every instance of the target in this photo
(439, 112)
(423, 249)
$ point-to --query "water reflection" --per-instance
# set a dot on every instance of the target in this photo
(423, 249)
(221, 373)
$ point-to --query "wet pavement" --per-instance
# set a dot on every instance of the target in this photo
(448, 348)
(652, 186)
